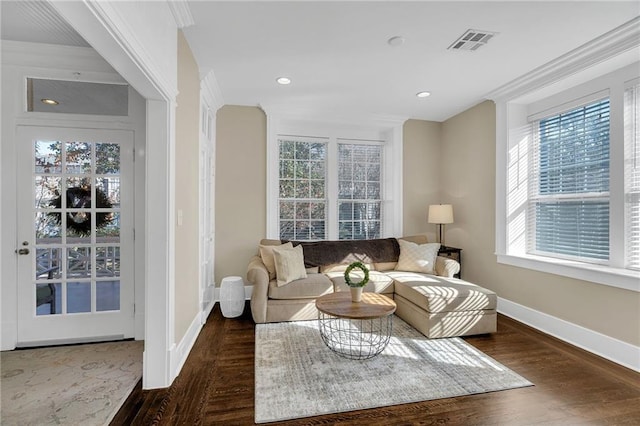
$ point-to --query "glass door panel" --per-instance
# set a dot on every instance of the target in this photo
(79, 205)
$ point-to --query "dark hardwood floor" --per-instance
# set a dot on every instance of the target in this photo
(572, 387)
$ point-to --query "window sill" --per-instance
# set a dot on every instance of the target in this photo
(613, 277)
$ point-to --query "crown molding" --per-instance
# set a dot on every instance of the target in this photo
(181, 13)
(333, 117)
(211, 91)
(601, 49)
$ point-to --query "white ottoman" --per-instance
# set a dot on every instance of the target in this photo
(232, 297)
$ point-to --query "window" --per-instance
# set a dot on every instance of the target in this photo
(568, 177)
(359, 191)
(333, 177)
(302, 196)
(568, 207)
(632, 175)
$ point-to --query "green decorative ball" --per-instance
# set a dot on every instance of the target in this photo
(351, 267)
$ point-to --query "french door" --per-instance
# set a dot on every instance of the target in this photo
(75, 235)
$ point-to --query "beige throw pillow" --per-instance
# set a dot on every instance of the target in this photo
(266, 253)
(289, 264)
(417, 257)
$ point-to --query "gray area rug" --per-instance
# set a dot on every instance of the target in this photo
(70, 385)
(298, 376)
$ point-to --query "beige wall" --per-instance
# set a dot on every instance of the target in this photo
(451, 162)
(187, 182)
(241, 183)
(421, 175)
(468, 182)
(241, 170)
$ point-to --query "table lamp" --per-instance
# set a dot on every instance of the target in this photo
(441, 214)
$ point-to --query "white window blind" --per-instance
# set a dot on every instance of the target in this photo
(568, 209)
(302, 198)
(632, 175)
(359, 191)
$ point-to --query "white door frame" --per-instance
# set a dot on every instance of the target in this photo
(210, 102)
(112, 35)
(22, 60)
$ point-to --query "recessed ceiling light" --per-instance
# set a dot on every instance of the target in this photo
(283, 80)
(396, 41)
(423, 94)
(49, 101)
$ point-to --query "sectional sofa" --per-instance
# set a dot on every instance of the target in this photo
(433, 302)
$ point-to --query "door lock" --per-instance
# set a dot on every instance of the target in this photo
(23, 251)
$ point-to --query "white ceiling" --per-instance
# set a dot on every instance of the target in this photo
(337, 56)
(338, 59)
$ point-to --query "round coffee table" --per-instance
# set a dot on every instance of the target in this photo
(355, 330)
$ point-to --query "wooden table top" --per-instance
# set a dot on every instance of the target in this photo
(372, 305)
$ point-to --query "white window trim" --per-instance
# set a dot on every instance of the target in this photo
(388, 130)
(581, 71)
(599, 274)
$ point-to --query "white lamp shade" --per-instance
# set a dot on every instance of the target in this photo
(440, 213)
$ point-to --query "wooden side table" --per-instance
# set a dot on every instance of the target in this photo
(452, 253)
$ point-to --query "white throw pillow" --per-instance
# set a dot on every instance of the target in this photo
(289, 264)
(417, 257)
(266, 253)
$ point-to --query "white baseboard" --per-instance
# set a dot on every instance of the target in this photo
(207, 310)
(248, 291)
(180, 352)
(605, 346)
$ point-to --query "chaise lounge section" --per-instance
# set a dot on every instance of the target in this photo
(436, 304)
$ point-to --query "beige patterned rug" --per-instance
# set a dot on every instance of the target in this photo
(70, 385)
(297, 376)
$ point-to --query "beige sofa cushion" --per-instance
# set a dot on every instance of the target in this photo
(289, 264)
(266, 253)
(390, 266)
(417, 257)
(311, 287)
(446, 324)
(378, 281)
(385, 266)
(438, 294)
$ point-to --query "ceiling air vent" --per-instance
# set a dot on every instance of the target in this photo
(472, 40)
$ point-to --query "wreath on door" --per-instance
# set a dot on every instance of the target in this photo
(79, 197)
